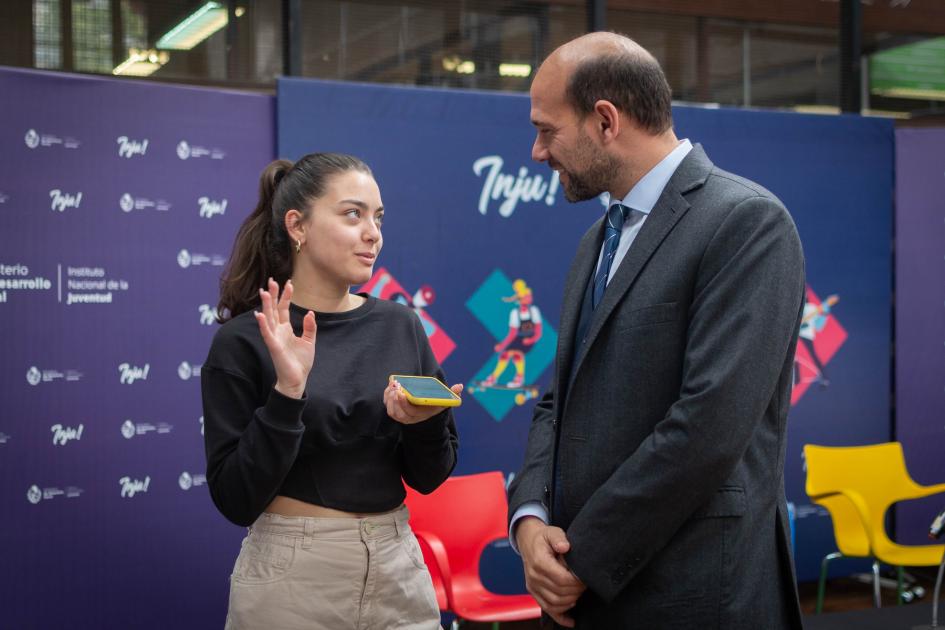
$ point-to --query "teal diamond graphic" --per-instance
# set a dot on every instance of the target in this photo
(489, 307)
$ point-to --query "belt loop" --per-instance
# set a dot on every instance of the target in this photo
(309, 533)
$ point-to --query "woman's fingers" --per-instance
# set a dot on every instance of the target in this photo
(274, 301)
(263, 327)
(402, 410)
(283, 306)
(265, 299)
(396, 402)
(309, 327)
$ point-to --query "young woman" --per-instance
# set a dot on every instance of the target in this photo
(308, 447)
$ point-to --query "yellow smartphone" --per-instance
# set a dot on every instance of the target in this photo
(427, 391)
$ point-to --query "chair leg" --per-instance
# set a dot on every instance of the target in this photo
(877, 598)
(899, 586)
(822, 584)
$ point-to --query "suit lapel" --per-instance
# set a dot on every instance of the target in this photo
(581, 269)
(669, 209)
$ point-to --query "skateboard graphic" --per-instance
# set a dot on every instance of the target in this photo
(524, 393)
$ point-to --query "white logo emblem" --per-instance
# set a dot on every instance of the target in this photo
(128, 373)
(511, 188)
(209, 207)
(32, 141)
(61, 201)
(128, 429)
(34, 495)
(201, 425)
(130, 487)
(183, 258)
(127, 202)
(63, 435)
(208, 314)
(184, 371)
(128, 148)
(185, 481)
(183, 150)
(34, 376)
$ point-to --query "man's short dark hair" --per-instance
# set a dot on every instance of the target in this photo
(634, 83)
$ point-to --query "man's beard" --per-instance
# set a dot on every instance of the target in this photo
(596, 177)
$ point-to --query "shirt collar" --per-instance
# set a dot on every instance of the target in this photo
(647, 191)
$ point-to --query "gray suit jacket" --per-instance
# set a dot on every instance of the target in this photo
(670, 431)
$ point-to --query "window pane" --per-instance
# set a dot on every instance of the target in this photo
(92, 35)
(46, 25)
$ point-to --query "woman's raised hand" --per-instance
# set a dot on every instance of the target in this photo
(292, 356)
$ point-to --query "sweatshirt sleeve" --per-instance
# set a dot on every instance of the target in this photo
(429, 447)
(250, 448)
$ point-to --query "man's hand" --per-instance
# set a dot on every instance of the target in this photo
(547, 576)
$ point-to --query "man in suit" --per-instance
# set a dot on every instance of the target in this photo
(652, 491)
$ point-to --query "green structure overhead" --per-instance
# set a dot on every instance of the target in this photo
(910, 71)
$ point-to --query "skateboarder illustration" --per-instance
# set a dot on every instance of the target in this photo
(424, 297)
(524, 332)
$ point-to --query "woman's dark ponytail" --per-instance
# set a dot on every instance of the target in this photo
(254, 259)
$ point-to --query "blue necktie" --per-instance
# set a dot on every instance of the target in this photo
(616, 215)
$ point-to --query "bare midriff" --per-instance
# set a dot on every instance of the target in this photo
(286, 506)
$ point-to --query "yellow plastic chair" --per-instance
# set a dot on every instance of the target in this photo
(857, 485)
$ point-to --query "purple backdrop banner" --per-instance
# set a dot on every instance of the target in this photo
(920, 319)
(119, 202)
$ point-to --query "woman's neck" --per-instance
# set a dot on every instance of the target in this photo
(323, 298)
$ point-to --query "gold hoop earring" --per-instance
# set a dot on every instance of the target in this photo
(298, 246)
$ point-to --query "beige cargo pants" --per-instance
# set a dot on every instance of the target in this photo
(331, 574)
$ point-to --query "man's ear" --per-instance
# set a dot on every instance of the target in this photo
(607, 120)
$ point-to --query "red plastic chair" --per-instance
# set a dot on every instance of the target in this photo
(454, 524)
(436, 574)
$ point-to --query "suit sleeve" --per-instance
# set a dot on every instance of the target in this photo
(742, 325)
(531, 483)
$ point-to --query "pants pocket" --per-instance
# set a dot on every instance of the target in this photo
(264, 559)
(412, 549)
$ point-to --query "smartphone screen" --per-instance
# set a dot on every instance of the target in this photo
(424, 387)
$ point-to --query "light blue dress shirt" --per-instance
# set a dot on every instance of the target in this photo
(641, 199)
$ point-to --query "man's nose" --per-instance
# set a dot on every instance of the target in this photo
(539, 152)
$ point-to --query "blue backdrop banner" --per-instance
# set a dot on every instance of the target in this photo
(119, 202)
(472, 223)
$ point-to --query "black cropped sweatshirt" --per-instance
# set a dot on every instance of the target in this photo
(336, 447)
